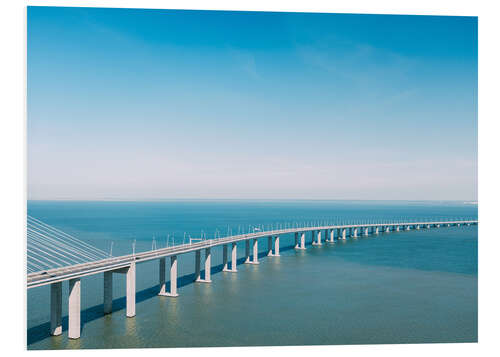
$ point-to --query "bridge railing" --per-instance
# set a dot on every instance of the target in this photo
(102, 258)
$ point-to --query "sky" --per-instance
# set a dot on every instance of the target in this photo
(162, 104)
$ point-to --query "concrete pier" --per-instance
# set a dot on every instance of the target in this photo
(366, 231)
(277, 246)
(397, 228)
(332, 236)
(255, 251)
(173, 277)
(161, 274)
(108, 292)
(74, 308)
(408, 227)
(224, 258)
(234, 258)
(208, 266)
(131, 290)
(302, 240)
(197, 263)
(296, 236)
(355, 232)
(247, 252)
(375, 229)
(270, 246)
(343, 234)
(56, 308)
(318, 238)
(417, 226)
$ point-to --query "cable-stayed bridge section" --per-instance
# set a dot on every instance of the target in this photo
(54, 256)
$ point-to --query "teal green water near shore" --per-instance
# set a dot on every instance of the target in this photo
(405, 287)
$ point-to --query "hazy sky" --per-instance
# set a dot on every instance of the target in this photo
(151, 104)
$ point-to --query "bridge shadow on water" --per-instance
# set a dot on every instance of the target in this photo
(41, 332)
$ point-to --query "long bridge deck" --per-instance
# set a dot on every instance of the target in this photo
(126, 264)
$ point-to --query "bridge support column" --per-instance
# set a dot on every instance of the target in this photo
(332, 236)
(234, 258)
(302, 240)
(56, 308)
(397, 228)
(224, 258)
(417, 226)
(318, 238)
(313, 233)
(255, 255)
(197, 263)
(296, 246)
(270, 246)
(375, 230)
(277, 246)
(74, 309)
(131, 290)
(408, 227)
(108, 292)
(343, 234)
(208, 265)
(162, 280)
(366, 231)
(355, 232)
(388, 229)
(247, 251)
(173, 277)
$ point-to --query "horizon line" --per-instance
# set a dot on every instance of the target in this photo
(469, 201)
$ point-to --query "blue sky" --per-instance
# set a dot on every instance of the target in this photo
(150, 104)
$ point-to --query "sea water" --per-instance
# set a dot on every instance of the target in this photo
(417, 286)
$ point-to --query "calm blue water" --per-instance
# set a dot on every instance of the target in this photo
(406, 287)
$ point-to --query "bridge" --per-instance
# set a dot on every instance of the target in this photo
(55, 256)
